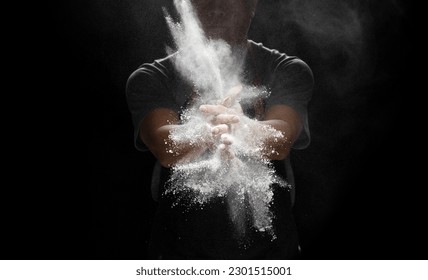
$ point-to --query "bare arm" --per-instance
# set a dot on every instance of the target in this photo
(285, 119)
(155, 130)
(158, 125)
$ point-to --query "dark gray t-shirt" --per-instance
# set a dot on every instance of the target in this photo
(206, 233)
(288, 79)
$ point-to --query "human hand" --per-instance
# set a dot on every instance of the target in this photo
(226, 112)
(222, 116)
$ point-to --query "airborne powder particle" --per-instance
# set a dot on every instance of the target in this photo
(244, 179)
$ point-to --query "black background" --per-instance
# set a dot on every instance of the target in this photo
(86, 195)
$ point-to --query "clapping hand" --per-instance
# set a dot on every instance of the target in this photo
(222, 116)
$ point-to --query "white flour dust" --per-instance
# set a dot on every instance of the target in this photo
(245, 179)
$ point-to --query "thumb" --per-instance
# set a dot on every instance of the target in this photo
(231, 96)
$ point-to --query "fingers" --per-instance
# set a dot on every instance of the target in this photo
(231, 96)
(226, 103)
(226, 139)
(234, 91)
(220, 129)
(222, 114)
(224, 119)
(213, 109)
(225, 147)
(225, 152)
(223, 131)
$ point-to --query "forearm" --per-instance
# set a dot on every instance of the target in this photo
(172, 150)
(170, 147)
(279, 129)
(276, 146)
(168, 140)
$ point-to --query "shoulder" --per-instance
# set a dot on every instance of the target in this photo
(159, 69)
(280, 61)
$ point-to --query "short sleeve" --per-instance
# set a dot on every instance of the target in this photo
(147, 89)
(292, 84)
